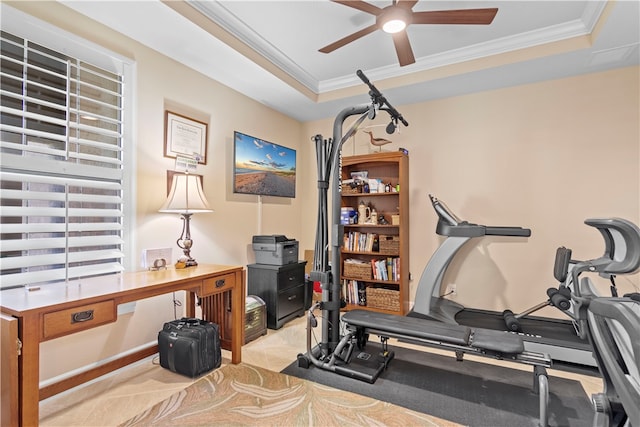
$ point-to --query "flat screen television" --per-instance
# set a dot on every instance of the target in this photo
(263, 168)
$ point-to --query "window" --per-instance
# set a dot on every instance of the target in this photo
(62, 166)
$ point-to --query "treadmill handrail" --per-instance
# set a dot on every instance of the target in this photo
(450, 225)
(507, 231)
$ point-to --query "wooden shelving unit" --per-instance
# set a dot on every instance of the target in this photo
(390, 293)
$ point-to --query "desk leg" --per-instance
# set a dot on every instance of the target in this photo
(237, 310)
(191, 305)
(29, 370)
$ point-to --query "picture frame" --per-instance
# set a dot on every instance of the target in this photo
(185, 136)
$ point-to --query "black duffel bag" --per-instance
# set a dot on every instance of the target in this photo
(189, 346)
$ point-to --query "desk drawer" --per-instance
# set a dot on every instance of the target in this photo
(64, 322)
(218, 284)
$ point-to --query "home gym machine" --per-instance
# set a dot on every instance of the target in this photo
(335, 352)
(595, 316)
(559, 338)
(328, 154)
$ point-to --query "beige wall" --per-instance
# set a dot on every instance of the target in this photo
(545, 156)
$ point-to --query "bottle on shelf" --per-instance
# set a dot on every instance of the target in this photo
(364, 213)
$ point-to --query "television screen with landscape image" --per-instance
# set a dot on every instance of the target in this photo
(263, 168)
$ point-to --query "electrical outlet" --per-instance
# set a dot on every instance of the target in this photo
(451, 289)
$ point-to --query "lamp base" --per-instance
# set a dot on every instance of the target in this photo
(185, 243)
(186, 262)
(190, 263)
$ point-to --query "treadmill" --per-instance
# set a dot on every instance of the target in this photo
(558, 338)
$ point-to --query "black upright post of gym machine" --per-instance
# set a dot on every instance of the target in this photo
(329, 176)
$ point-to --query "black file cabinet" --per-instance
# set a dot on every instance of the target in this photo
(281, 287)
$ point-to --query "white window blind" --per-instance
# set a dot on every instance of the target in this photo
(61, 166)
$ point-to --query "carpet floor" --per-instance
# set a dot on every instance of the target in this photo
(245, 395)
(468, 392)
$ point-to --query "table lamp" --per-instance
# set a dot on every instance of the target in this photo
(186, 197)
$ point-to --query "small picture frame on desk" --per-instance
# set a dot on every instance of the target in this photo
(185, 136)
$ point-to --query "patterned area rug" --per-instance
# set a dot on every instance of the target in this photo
(245, 395)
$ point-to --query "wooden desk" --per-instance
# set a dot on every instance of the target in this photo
(62, 309)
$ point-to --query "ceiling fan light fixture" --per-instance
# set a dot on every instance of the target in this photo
(394, 26)
(394, 19)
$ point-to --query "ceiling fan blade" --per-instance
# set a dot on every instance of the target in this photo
(348, 39)
(406, 4)
(403, 48)
(360, 5)
(463, 16)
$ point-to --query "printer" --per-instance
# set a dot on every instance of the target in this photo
(275, 249)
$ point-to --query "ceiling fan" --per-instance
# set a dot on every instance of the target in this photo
(396, 17)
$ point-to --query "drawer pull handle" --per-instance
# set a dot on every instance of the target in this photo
(219, 283)
(291, 298)
(82, 316)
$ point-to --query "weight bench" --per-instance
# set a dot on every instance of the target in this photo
(499, 345)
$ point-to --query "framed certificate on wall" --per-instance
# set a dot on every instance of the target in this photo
(185, 136)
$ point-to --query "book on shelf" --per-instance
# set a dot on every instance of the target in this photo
(386, 269)
(354, 292)
(356, 241)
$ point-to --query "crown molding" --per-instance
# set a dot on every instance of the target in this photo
(219, 14)
(235, 26)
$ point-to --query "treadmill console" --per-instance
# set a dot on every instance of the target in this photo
(444, 213)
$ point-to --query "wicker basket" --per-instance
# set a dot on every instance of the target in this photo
(385, 299)
(389, 244)
(357, 271)
(348, 189)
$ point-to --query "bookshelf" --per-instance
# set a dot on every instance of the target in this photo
(375, 251)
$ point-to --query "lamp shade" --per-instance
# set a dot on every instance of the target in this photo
(186, 196)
